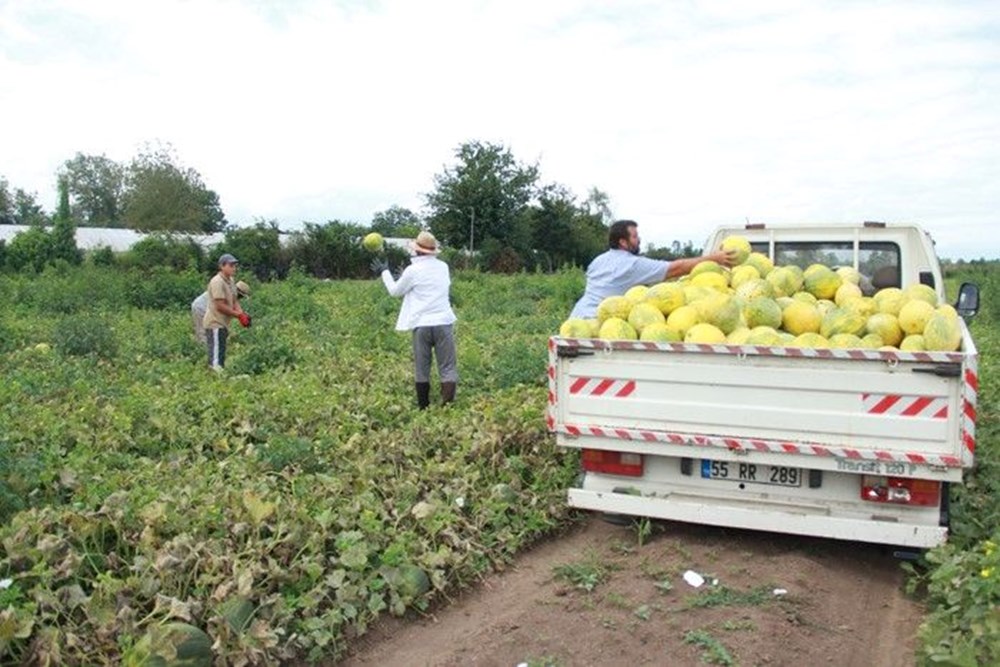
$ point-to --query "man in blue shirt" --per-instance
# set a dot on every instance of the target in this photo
(614, 271)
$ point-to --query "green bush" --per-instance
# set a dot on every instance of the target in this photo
(30, 250)
(162, 288)
(178, 253)
(332, 250)
(258, 249)
(86, 336)
(103, 256)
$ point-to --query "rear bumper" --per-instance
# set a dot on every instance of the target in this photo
(792, 518)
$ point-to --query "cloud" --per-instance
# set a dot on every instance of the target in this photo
(687, 114)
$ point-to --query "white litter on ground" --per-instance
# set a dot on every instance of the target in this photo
(694, 579)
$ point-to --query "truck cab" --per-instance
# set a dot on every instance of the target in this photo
(886, 255)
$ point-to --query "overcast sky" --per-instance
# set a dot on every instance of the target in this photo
(687, 114)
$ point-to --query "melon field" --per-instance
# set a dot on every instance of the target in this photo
(274, 512)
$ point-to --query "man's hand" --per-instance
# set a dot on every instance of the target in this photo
(724, 257)
(379, 265)
(244, 320)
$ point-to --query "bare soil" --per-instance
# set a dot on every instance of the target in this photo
(844, 605)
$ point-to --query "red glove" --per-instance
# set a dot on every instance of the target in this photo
(244, 319)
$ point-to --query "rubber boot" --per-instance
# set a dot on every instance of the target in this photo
(423, 394)
(447, 392)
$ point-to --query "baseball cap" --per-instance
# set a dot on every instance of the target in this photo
(228, 259)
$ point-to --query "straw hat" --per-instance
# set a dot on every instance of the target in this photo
(425, 244)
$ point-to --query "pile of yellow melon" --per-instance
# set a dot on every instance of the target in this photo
(757, 303)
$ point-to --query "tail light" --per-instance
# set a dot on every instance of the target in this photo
(613, 463)
(901, 490)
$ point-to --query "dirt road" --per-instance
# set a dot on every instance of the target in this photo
(844, 605)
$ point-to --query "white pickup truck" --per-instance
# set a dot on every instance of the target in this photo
(852, 444)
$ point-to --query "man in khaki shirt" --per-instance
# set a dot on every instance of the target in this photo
(200, 305)
(223, 306)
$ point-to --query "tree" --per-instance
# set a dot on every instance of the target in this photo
(565, 232)
(6, 203)
(599, 204)
(485, 196)
(258, 248)
(96, 185)
(27, 210)
(162, 196)
(396, 221)
(331, 250)
(552, 224)
(63, 234)
(590, 237)
(19, 207)
(675, 250)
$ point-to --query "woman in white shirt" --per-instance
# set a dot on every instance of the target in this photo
(426, 311)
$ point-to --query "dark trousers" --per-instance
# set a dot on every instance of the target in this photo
(216, 340)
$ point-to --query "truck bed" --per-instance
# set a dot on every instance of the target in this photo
(865, 411)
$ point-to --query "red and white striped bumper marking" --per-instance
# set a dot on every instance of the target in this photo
(969, 400)
(743, 444)
(602, 387)
(898, 405)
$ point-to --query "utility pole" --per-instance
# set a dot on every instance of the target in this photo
(472, 229)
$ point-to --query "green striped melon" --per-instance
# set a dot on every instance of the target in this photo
(661, 333)
(845, 341)
(942, 333)
(171, 645)
(613, 306)
(668, 297)
(615, 328)
(886, 326)
(913, 317)
(822, 283)
(842, 320)
(762, 311)
(761, 262)
(644, 314)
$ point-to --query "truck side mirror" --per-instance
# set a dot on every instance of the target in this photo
(967, 304)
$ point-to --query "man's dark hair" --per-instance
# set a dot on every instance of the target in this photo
(618, 231)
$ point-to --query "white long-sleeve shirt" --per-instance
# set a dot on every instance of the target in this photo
(424, 287)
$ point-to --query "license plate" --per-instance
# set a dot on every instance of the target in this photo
(752, 473)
